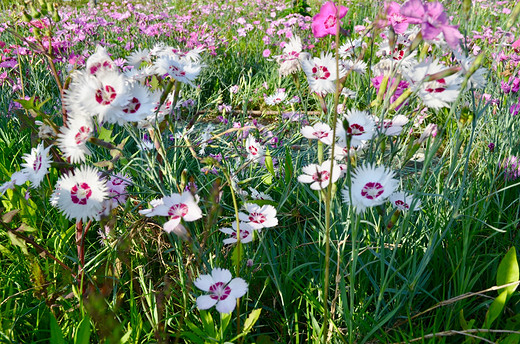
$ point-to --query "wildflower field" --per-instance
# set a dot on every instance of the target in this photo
(259, 171)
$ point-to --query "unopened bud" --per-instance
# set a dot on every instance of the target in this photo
(431, 130)
(442, 74)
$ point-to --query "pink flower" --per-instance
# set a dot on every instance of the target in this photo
(324, 23)
(394, 17)
(433, 21)
(266, 53)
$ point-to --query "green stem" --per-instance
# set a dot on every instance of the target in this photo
(237, 267)
(328, 197)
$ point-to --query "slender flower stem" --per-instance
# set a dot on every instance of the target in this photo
(80, 246)
(328, 197)
(238, 247)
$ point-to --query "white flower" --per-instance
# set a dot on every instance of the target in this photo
(370, 187)
(438, 93)
(177, 207)
(320, 131)
(347, 49)
(140, 106)
(103, 95)
(37, 164)
(17, 178)
(223, 291)
(394, 126)
(254, 150)
(320, 176)
(341, 152)
(478, 78)
(321, 74)
(404, 202)
(276, 98)
(356, 66)
(72, 139)
(80, 194)
(260, 195)
(259, 217)
(139, 56)
(290, 59)
(361, 127)
(246, 233)
(180, 70)
(100, 61)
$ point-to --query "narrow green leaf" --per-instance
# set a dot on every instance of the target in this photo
(193, 338)
(269, 162)
(462, 321)
(495, 309)
(267, 179)
(56, 334)
(513, 338)
(251, 320)
(126, 337)
(195, 332)
(508, 272)
(225, 319)
(208, 324)
(288, 166)
(83, 330)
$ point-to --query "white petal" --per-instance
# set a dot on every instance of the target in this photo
(238, 287)
(203, 282)
(170, 225)
(205, 302)
(221, 275)
(227, 305)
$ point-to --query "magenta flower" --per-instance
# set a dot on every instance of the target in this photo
(394, 17)
(433, 21)
(324, 23)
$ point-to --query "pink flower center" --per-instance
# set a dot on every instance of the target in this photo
(82, 135)
(441, 86)
(355, 129)
(320, 134)
(293, 55)
(372, 190)
(133, 106)
(330, 21)
(320, 72)
(117, 181)
(253, 150)
(401, 205)
(219, 291)
(243, 234)
(37, 164)
(400, 54)
(321, 176)
(178, 210)
(177, 72)
(97, 66)
(80, 193)
(257, 217)
(106, 95)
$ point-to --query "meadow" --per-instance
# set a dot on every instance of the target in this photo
(262, 171)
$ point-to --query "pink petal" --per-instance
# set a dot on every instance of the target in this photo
(414, 10)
